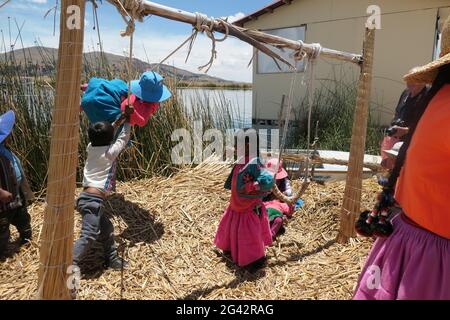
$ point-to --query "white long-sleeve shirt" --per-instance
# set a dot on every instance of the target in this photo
(100, 168)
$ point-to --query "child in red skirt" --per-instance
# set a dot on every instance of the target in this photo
(244, 230)
(277, 210)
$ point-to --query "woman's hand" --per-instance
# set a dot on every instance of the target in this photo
(398, 132)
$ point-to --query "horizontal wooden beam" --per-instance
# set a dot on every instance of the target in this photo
(152, 8)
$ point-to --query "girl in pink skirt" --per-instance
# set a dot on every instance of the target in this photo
(244, 229)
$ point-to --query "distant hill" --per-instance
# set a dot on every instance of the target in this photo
(46, 57)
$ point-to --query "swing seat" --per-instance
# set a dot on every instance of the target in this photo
(102, 99)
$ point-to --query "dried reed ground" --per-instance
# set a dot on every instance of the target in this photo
(168, 225)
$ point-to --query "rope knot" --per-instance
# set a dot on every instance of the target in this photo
(200, 20)
(205, 25)
(133, 10)
(129, 30)
(317, 49)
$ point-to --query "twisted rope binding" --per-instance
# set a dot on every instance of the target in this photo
(300, 54)
(201, 25)
(134, 10)
(317, 49)
(200, 19)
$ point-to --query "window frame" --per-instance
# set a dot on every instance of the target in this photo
(279, 72)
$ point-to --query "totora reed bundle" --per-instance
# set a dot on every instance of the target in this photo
(57, 231)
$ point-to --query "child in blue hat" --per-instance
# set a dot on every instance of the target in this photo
(14, 189)
(105, 100)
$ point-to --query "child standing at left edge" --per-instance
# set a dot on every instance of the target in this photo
(14, 189)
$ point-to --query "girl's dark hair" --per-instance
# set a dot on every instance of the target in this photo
(247, 132)
(101, 133)
(442, 79)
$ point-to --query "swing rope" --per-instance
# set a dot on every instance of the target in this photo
(312, 58)
(201, 25)
(135, 12)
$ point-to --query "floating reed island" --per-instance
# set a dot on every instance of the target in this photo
(165, 228)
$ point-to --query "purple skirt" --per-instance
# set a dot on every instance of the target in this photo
(411, 264)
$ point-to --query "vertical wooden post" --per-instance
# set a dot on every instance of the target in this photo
(352, 195)
(57, 231)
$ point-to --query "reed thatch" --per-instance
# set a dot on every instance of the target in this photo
(352, 196)
(168, 226)
(57, 231)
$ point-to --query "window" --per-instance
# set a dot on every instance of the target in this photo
(266, 63)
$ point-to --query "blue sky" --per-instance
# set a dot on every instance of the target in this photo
(158, 36)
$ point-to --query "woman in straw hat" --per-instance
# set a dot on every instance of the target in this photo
(414, 261)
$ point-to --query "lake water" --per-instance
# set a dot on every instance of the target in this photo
(238, 102)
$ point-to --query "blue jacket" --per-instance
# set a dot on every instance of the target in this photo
(102, 99)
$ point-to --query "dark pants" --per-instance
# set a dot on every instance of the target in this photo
(20, 218)
(95, 227)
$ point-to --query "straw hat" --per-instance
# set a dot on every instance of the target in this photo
(427, 73)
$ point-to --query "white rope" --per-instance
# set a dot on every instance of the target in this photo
(317, 49)
(134, 10)
(203, 27)
(299, 55)
(312, 58)
(286, 121)
(200, 20)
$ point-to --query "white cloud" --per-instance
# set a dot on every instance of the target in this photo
(232, 55)
(37, 1)
(236, 17)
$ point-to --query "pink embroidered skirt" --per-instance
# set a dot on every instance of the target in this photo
(244, 234)
(411, 264)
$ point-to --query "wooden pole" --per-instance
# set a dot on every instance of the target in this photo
(352, 194)
(316, 160)
(57, 231)
(151, 8)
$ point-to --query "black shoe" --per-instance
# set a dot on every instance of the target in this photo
(116, 263)
(257, 265)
